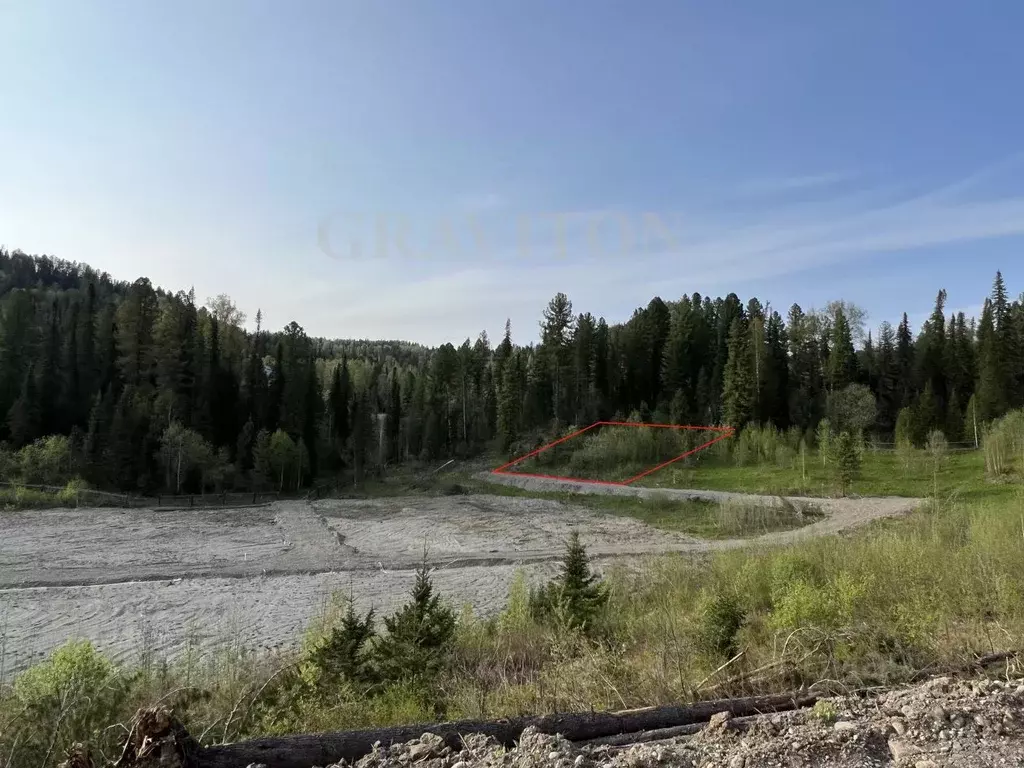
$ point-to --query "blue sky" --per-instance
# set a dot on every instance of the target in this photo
(796, 151)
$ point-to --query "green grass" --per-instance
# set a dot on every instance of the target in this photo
(711, 520)
(703, 519)
(882, 474)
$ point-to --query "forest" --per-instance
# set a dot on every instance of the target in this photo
(131, 387)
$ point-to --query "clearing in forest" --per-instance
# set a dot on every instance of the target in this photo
(614, 452)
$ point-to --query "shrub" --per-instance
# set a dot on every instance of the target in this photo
(1004, 446)
(47, 461)
(720, 620)
(70, 493)
(823, 437)
(71, 696)
(517, 615)
(825, 711)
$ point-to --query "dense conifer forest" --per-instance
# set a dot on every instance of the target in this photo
(132, 387)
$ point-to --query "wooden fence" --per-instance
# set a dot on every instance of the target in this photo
(93, 498)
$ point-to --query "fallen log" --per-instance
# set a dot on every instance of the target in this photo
(304, 751)
(738, 724)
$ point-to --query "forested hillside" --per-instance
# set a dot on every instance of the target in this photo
(149, 390)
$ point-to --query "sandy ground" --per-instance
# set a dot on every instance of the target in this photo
(157, 580)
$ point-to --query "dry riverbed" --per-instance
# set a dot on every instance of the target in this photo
(156, 581)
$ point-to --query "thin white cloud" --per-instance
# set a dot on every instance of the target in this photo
(793, 183)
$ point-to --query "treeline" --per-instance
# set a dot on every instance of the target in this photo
(154, 391)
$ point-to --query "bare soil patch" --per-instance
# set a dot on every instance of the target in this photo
(157, 581)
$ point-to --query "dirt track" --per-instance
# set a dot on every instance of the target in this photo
(158, 580)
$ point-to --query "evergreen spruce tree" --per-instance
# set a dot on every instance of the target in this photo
(954, 419)
(577, 596)
(991, 387)
(510, 404)
(738, 382)
(23, 419)
(395, 415)
(926, 415)
(343, 653)
(340, 405)
(842, 360)
(262, 461)
(905, 362)
(419, 636)
(845, 459)
(244, 445)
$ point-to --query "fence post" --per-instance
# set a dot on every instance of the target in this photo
(191, 500)
(126, 504)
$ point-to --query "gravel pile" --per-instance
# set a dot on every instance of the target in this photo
(944, 722)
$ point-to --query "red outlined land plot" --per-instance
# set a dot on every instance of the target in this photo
(714, 434)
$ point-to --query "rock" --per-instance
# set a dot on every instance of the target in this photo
(428, 746)
(926, 764)
(577, 762)
(718, 721)
(899, 725)
(938, 685)
(938, 713)
(844, 725)
(739, 761)
(901, 750)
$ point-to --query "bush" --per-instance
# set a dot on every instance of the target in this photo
(720, 620)
(71, 696)
(47, 461)
(1004, 446)
(69, 495)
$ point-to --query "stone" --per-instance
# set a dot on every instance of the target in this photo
(926, 764)
(899, 725)
(901, 750)
(718, 721)
(844, 725)
(939, 684)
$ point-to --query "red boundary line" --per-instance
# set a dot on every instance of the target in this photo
(724, 432)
